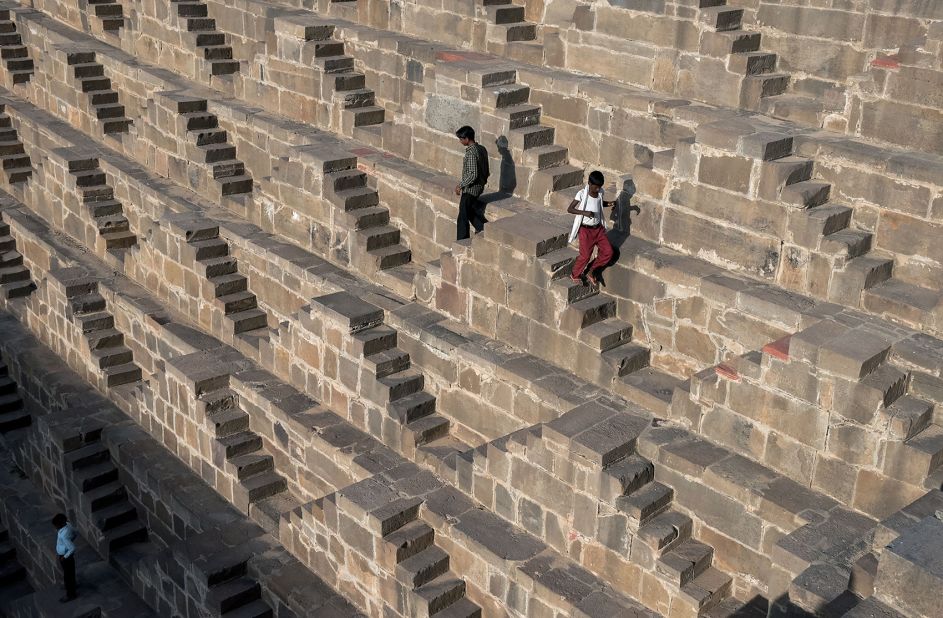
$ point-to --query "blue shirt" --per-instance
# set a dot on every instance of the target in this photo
(64, 541)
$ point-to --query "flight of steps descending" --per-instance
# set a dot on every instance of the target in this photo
(422, 566)
(109, 12)
(90, 77)
(391, 382)
(360, 116)
(209, 144)
(99, 199)
(193, 18)
(105, 342)
(16, 163)
(239, 451)
(14, 54)
(758, 68)
(237, 595)
(605, 353)
(15, 279)
(862, 277)
(506, 20)
(376, 244)
(529, 142)
(231, 289)
(104, 496)
(13, 582)
(663, 538)
(13, 415)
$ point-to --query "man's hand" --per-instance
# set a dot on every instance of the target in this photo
(458, 189)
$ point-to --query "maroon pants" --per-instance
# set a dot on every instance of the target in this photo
(592, 237)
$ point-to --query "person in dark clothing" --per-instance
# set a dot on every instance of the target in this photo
(65, 550)
(475, 172)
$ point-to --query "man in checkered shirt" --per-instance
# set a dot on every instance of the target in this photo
(475, 172)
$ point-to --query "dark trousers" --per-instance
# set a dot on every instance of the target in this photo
(470, 210)
(68, 574)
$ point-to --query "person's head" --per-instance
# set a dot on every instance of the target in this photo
(466, 135)
(59, 520)
(596, 180)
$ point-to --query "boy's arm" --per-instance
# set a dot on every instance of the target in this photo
(573, 210)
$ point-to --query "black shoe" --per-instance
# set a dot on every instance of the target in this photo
(597, 275)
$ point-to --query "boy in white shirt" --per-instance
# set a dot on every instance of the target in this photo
(65, 550)
(590, 227)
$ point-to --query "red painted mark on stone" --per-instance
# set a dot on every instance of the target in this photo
(451, 56)
(779, 348)
(727, 371)
(572, 535)
(886, 62)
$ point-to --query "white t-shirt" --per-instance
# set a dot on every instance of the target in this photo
(593, 204)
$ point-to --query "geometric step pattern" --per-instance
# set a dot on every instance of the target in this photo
(358, 103)
(105, 342)
(239, 305)
(378, 245)
(13, 582)
(90, 78)
(111, 14)
(99, 199)
(194, 18)
(13, 158)
(104, 496)
(213, 147)
(14, 54)
(15, 279)
(509, 18)
(239, 451)
(12, 414)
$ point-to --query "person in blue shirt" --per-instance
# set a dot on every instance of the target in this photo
(65, 550)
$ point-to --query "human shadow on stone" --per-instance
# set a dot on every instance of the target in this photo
(621, 228)
(507, 173)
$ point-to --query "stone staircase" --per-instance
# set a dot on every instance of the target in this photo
(15, 278)
(105, 343)
(507, 22)
(376, 245)
(13, 158)
(529, 142)
(14, 54)
(110, 13)
(754, 69)
(208, 145)
(192, 17)
(411, 553)
(230, 288)
(99, 200)
(239, 450)
(90, 78)
(104, 497)
(13, 415)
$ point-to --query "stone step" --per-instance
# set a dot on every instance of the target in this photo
(847, 243)
(251, 464)
(530, 137)
(199, 120)
(553, 179)
(355, 98)
(342, 180)
(426, 430)
(758, 87)
(18, 289)
(422, 567)
(82, 70)
(15, 419)
(335, 64)
(373, 340)
(88, 455)
(365, 218)
(861, 273)
(567, 291)
(505, 13)
(210, 39)
(116, 125)
(14, 51)
(7, 385)
(390, 257)
(519, 116)
(663, 533)
(217, 52)
(260, 486)
(367, 115)
(11, 147)
(112, 23)
(685, 562)
(118, 375)
(397, 386)
(519, 31)
(706, 591)
(436, 595)
(223, 67)
(219, 400)
(925, 454)
(11, 258)
(104, 496)
(907, 417)
(14, 161)
(362, 197)
(250, 319)
(228, 421)
(504, 96)
(191, 9)
(544, 157)
(125, 534)
(104, 338)
(751, 63)
(803, 110)
(18, 174)
(719, 44)
(218, 152)
(806, 194)
(200, 24)
(207, 247)
(229, 284)
(625, 359)
(650, 388)
(463, 608)
(109, 111)
(255, 609)
(378, 237)
(606, 335)
(241, 443)
(387, 362)
(238, 302)
(645, 503)
(233, 594)
(112, 357)
(115, 515)
(625, 476)
(96, 475)
(721, 18)
(113, 224)
(587, 312)
(217, 266)
(94, 84)
(10, 402)
(405, 542)
(904, 300)
(349, 81)
(227, 168)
